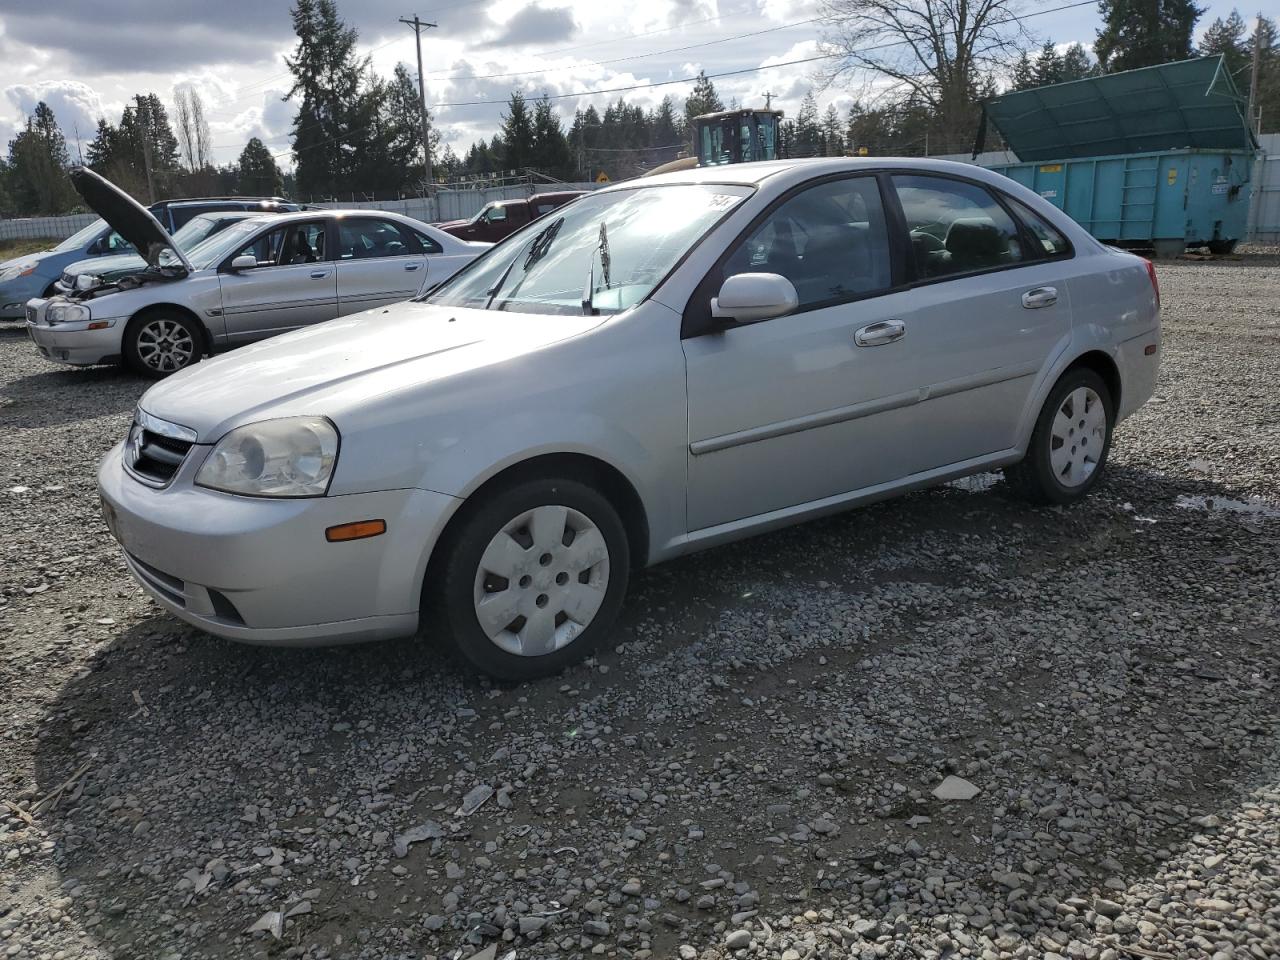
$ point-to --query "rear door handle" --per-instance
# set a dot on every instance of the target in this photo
(412, 266)
(878, 334)
(319, 274)
(1040, 297)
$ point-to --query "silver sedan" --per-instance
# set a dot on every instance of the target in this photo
(256, 279)
(656, 368)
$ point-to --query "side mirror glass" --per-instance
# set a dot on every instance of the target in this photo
(246, 261)
(752, 297)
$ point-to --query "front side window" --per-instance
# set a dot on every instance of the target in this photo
(361, 238)
(956, 227)
(1046, 234)
(496, 214)
(830, 241)
(603, 254)
(296, 243)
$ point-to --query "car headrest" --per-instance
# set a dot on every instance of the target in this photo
(975, 237)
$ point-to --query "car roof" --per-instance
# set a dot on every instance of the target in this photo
(190, 201)
(753, 174)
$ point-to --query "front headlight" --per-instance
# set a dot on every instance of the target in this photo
(66, 313)
(16, 271)
(275, 458)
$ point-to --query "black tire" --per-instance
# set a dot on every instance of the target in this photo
(454, 599)
(144, 354)
(1222, 248)
(1034, 478)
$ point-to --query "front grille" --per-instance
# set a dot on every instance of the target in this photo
(156, 449)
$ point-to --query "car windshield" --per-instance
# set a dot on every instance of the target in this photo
(81, 237)
(191, 234)
(603, 254)
(213, 250)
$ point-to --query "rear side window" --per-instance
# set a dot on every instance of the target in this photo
(429, 245)
(956, 227)
(366, 239)
(1045, 233)
(829, 240)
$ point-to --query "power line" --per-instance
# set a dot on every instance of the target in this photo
(710, 76)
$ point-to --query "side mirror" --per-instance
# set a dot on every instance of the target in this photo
(245, 261)
(752, 297)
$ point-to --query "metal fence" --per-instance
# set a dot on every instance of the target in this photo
(446, 205)
(1264, 213)
(456, 204)
(42, 228)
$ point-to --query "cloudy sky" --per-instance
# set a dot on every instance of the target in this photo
(86, 58)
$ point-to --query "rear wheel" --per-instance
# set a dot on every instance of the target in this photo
(1221, 248)
(158, 343)
(1069, 446)
(534, 578)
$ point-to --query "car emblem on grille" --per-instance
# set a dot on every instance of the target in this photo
(133, 446)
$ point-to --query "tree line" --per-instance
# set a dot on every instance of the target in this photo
(358, 133)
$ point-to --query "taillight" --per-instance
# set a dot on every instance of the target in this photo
(1155, 284)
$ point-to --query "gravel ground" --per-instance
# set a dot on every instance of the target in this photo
(760, 766)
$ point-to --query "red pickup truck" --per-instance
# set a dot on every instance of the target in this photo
(504, 217)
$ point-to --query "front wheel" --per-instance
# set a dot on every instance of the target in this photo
(1070, 442)
(534, 578)
(158, 343)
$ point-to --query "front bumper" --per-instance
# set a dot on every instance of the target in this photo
(260, 571)
(74, 343)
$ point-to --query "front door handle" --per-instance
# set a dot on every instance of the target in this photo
(878, 334)
(319, 274)
(412, 266)
(1040, 297)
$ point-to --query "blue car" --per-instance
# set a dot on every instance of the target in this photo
(34, 274)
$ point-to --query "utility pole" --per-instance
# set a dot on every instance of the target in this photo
(1255, 122)
(418, 26)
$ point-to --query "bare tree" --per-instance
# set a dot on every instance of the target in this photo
(193, 128)
(201, 125)
(939, 53)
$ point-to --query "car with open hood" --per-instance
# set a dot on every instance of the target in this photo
(661, 366)
(39, 274)
(100, 270)
(257, 278)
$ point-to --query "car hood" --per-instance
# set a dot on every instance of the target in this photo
(126, 216)
(349, 364)
(26, 258)
(105, 266)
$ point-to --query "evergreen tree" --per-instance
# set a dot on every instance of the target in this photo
(664, 124)
(332, 139)
(703, 99)
(1227, 37)
(404, 130)
(1076, 64)
(550, 153)
(1024, 73)
(517, 134)
(1143, 33)
(38, 165)
(259, 175)
(808, 135)
(1268, 74)
(102, 149)
(1048, 65)
(832, 133)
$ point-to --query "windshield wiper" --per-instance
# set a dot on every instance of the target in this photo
(589, 291)
(537, 249)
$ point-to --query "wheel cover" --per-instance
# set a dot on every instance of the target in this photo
(1078, 437)
(165, 345)
(541, 580)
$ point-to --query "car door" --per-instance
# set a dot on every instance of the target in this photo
(379, 261)
(294, 283)
(988, 309)
(793, 410)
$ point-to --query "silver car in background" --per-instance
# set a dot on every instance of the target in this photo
(255, 279)
(656, 368)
